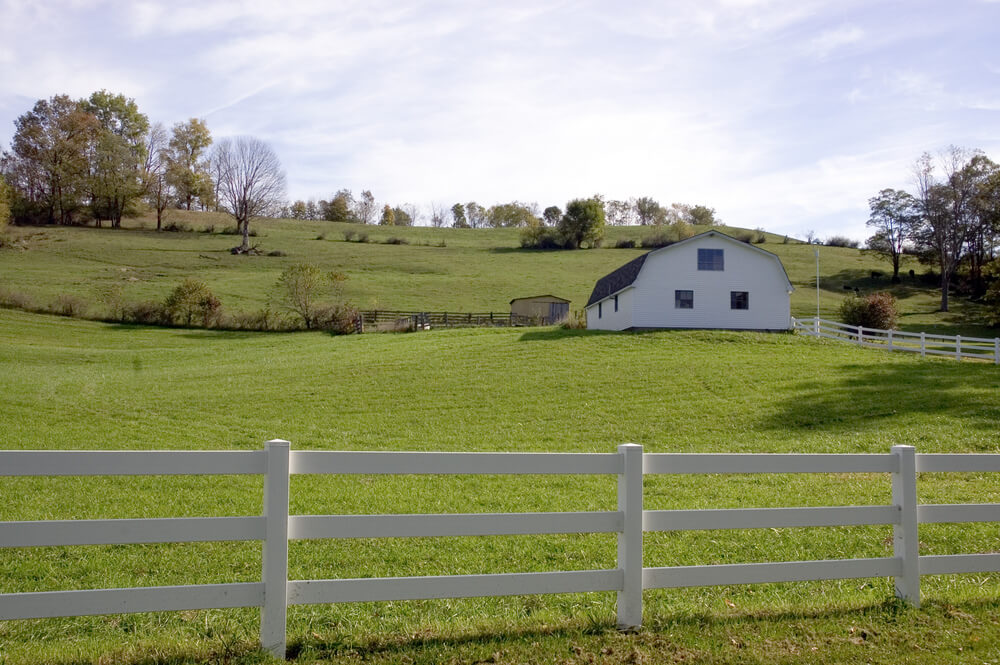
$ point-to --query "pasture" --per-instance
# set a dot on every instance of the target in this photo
(74, 384)
(456, 270)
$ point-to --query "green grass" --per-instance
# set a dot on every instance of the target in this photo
(74, 384)
(477, 270)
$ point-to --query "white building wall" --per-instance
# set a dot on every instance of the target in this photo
(745, 269)
(609, 319)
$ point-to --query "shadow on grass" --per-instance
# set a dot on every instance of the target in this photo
(555, 333)
(849, 396)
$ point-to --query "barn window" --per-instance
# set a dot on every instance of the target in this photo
(616, 303)
(683, 299)
(710, 259)
(739, 300)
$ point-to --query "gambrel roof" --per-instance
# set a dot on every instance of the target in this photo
(625, 276)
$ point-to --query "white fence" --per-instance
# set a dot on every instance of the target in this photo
(276, 527)
(925, 344)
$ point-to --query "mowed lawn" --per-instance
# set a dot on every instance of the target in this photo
(70, 384)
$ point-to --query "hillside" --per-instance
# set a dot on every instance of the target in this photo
(439, 269)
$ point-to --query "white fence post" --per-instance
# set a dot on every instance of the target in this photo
(630, 539)
(275, 573)
(861, 336)
(996, 350)
(905, 535)
(816, 325)
(958, 347)
(923, 345)
(890, 340)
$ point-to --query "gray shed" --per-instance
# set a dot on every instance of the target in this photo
(547, 310)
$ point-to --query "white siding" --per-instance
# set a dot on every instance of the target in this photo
(746, 269)
(610, 319)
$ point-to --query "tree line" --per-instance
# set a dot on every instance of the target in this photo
(99, 159)
(951, 220)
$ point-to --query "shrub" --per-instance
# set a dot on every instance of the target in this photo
(147, 313)
(192, 301)
(536, 236)
(659, 239)
(759, 236)
(396, 241)
(362, 237)
(209, 229)
(877, 310)
(626, 243)
(277, 252)
(841, 241)
(576, 321)
(176, 227)
(321, 236)
(349, 235)
(68, 305)
(337, 319)
(16, 300)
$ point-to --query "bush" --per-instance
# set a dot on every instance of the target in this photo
(147, 313)
(348, 235)
(396, 241)
(841, 241)
(362, 237)
(537, 236)
(660, 239)
(192, 301)
(626, 243)
(576, 321)
(69, 305)
(277, 252)
(337, 319)
(877, 310)
(176, 227)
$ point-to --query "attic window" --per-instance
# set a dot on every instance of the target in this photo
(710, 259)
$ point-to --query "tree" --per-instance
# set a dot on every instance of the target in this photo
(583, 223)
(401, 215)
(340, 208)
(649, 211)
(253, 183)
(298, 210)
(702, 215)
(552, 215)
(439, 215)
(365, 208)
(49, 164)
(507, 215)
(159, 194)
(945, 212)
(475, 214)
(192, 300)
(301, 285)
(388, 216)
(118, 155)
(189, 170)
(5, 200)
(458, 213)
(621, 213)
(893, 216)
(411, 214)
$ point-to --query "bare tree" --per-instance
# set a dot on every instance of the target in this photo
(252, 182)
(365, 208)
(159, 193)
(440, 215)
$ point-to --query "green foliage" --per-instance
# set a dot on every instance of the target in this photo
(188, 165)
(6, 195)
(649, 211)
(841, 241)
(301, 285)
(551, 215)
(703, 216)
(583, 223)
(992, 297)
(506, 215)
(340, 208)
(192, 302)
(667, 234)
(458, 215)
(877, 310)
(388, 216)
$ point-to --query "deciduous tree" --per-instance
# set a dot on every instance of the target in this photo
(583, 223)
(159, 194)
(458, 214)
(189, 169)
(253, 182)
(893, 216)
(365, 208)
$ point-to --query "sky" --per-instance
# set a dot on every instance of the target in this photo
(784, 115)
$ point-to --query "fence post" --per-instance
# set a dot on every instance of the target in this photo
(630, 538)
(958, 347)
(816, 325)
(890, 340)
(905, 536)
(923, 345)
(996, 350)
(861, 336)
(275, 574)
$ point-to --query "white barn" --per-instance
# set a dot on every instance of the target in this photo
(710, 280)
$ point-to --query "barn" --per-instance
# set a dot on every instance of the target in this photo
(543, 309)
(710, 280)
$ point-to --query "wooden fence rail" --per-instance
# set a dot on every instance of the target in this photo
(376, 319)
(957, 346)
(275, 592)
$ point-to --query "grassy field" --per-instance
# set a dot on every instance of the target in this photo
(76, 385)
(439, 270)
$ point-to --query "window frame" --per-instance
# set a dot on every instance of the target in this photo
(733, 300)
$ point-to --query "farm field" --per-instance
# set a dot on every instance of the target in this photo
(463, 270)
(72, 384)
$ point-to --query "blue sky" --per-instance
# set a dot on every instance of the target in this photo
(787, 115)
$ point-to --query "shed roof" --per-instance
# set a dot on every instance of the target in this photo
(543, 296)
(623, 277)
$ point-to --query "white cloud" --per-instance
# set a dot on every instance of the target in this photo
(832, 40)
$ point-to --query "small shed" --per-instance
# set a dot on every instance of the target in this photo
(547, 310)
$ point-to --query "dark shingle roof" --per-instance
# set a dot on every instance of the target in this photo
(617, 280)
